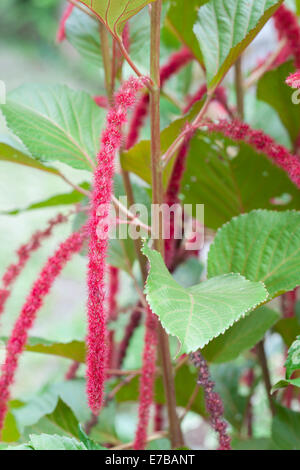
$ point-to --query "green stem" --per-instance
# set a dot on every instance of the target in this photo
(157, 198)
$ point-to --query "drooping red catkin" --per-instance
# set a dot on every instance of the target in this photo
(262, 143)
(99, 231)
(286, 23)
(213, 401)
(146, 381)
(23, 254)
(176, 61)
(61, 33)
(113, 274)
(294, 80)
(34, 302)
(171, 196)
(158, 417)
(134, 322)
(289, 303)
(71, 373)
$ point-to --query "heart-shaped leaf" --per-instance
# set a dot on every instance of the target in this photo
(56, 123)
(263, 246)
(224, 28)
(115, 13)
(200, 313)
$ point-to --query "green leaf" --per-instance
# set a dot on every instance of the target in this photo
(259, 443)
(89, 443)
(263, 246)
(286, 429)
(64, 418)
(10, 432)
(54, 442)
(288, 328)
(285, 383)
(293, 358)
(230, 178)
(56, 123)
(198, 314)
(272, 89)
(82, 32)
(181, 20)
(74, 350)
(242, 336)
(188, 274)
(115, 13)
(225, 28)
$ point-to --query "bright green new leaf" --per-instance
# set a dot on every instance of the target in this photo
(286, 429)
(285, 383)
(242, 336)
(56, 123)
(200, 313)
(293, 359)
(115, 13)
(262, 246)
(224, 28)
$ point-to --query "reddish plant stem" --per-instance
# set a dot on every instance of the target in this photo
(71, 373)
(261, 355)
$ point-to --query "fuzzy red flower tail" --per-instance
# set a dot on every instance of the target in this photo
(61, 33)
(147, 381)
(213, 401)
(24, 253)
(113, 293)
(34, 302)
(175, 63)
(262, 143)
(286, 23)
(99, 232)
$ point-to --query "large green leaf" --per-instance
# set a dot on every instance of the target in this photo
(230, 178)
(198, 314)
(263, 246)
(243, 335)
(83, 33)
(54, 442)
(272, 89)
(74, 350)
(224, 28)
(56, 123)
(115, 13)
(64, 418)
(286, 429)
(181, 21)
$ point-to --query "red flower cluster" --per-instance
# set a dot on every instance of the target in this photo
(175, 63)
(294, 80)
(34, 302)
(61, 33)
(98, 230)
(286, 23)
(213, 401)
(262, 143)
(24, 253)
(147, 381)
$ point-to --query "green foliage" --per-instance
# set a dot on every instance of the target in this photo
(292, 364)
(286, 429)
(198, 314)
(56, 123)
(224, 28)
(273, 90)
(243, 335)
(115, 13)
(263, 246)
